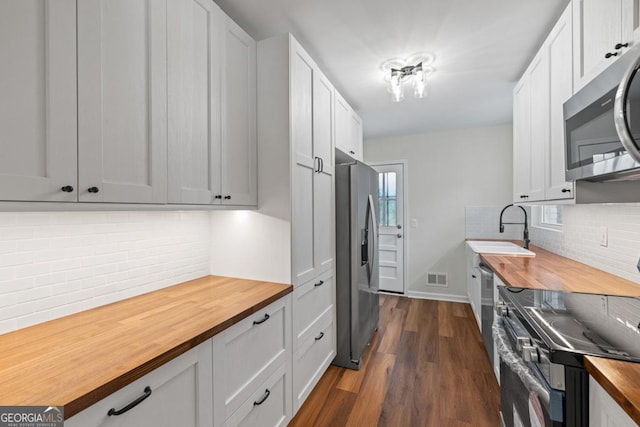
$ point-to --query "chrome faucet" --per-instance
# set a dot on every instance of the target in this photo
(525, 238)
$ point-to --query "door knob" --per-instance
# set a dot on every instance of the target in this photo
(399, 235)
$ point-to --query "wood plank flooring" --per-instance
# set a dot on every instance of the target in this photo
(426, 366)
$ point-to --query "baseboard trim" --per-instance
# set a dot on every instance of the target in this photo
(436, 296)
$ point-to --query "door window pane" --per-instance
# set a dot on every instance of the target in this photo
(387, 199)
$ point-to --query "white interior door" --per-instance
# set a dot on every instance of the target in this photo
(391, 226)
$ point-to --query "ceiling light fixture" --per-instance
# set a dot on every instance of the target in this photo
(398, 71)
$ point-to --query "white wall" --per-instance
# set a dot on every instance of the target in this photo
(251, 245)
(447, 171)
(57, 263)
(579, 239)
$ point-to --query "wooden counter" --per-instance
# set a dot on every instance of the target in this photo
(550, 271)
(77, 360)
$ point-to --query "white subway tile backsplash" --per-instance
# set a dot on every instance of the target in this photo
(57, 263)
(579, 239)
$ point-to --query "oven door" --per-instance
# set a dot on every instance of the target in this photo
(526, 398)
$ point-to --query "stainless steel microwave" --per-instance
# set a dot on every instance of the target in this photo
(602, 124)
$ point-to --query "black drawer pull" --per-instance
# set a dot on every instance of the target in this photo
(147, 393)
(67, 189)
(265, 397)
(264, 319)
(320, 283)
(218, 196)
(566, 190)
(319, 337)
(93, 189)
(610, 54)
(227, 197)
(621, 45)
(473, 275)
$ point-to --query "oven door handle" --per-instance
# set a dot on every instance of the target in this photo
(515, 363)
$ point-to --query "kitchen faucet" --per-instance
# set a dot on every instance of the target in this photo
(526, 227)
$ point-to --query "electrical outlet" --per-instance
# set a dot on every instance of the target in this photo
(604, 236)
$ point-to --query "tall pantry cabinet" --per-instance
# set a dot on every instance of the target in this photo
(296, 145)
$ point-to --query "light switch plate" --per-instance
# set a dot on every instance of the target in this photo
(604, 236)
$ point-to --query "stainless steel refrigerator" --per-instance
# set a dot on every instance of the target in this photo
(357, 264)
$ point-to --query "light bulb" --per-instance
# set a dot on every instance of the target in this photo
(419, 82)
(395, 86)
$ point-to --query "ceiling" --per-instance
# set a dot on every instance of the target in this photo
(481, 48)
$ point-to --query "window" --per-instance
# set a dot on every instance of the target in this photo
(387, 199)
(550, 216)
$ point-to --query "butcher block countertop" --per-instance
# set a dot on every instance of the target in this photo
(77, 360)
(550, 271)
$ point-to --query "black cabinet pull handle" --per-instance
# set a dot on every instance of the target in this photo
(265, 397)
(93, 189)
(621, 45)
(319, 337)
(610, 54)
(320, 283)
(352, 152)
(264, 319)
(473, 275)
(67, 189)
(227, 197)
(566, 190)
(114, 411)
(218, 196)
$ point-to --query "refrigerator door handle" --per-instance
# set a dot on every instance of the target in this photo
(371, 214)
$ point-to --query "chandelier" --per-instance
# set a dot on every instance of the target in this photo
(398, 71)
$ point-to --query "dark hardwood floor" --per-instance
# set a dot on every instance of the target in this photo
(426, 366)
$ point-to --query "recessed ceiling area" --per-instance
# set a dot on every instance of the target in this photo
(481, 49)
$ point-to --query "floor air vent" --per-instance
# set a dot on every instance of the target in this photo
(437, 279)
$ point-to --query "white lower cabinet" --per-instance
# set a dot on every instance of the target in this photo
(247, 356)
(603, 410)
(180, 395)
(268, 405)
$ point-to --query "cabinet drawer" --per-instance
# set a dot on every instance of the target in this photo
(311, 301)
(315, 353)
(247, 354)
(181, 395)
(268, 405)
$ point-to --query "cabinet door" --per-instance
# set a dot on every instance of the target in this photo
(305, 165)
(539, 128)
(323, 234)
(342, 119)
(598, 26)
(181, 394)
(38, 113)
(355, 128)
(239, 139)
(193, 54)
(122, 101)
(521, 140)
(603, 410)
(559, 49)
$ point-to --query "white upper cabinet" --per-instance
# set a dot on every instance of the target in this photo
(194, 33)
(323, 150)
(538, 119)
(559, 50)
(212, 107)
(348, 128)
(522, 140)
(603, 30)
(122, 101)
(239, 135)
(539, 97)
(38, 100)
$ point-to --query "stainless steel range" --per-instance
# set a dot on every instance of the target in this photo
(542, 337)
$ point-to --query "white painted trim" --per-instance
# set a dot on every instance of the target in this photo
(438, 297)
(405, 219)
